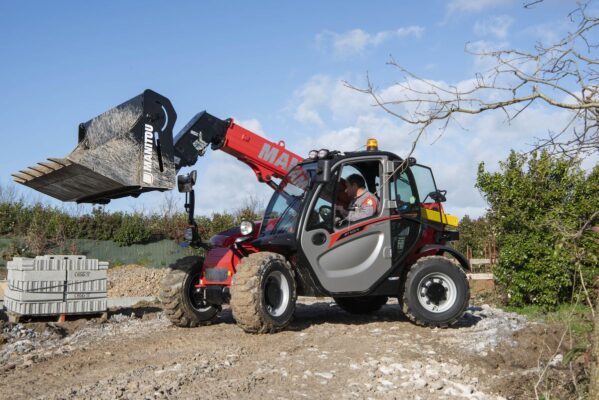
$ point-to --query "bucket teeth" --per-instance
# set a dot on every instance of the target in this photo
(31, 172)
(21, 178)
(52, 165)
(41, 169)
(61, 161)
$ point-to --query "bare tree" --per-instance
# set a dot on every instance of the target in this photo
(563, 75)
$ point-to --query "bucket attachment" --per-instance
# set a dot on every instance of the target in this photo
(126, 151)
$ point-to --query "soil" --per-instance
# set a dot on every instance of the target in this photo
(137, 353)
(326, 352)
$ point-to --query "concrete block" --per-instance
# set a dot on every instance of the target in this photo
(56, 263)
(92, 306)
(85, 296)
(86, 281)
(40, 281)
(18, 295)
(56, 284)
(84, 306)
(35, 308)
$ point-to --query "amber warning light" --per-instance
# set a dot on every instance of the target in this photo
(372, 145)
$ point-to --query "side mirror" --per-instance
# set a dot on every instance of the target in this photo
(185, 182)
(323, 171)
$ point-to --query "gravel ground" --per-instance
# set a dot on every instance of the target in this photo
(138, 354)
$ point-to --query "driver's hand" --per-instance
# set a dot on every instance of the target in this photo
(340, 223)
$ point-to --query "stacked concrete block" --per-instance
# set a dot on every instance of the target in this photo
(50, 285)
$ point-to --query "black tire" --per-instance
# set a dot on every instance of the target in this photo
(361, 305)
(435, 282)
(177, 294)
(263, 293)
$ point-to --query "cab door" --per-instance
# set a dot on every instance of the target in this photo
(349, 256)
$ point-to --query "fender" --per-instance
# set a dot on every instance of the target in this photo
(439, 249)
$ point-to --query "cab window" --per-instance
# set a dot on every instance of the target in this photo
(424, 182)
(357, 193)
(401, 191)
(336, 206)
(321, 215)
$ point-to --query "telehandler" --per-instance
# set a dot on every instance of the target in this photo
(303, 246)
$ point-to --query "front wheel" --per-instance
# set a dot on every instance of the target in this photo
(183, 304)
(436, 292)
(263, 293)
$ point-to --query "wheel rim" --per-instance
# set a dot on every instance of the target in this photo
(276, 293)
(437, 292)
(196, 295)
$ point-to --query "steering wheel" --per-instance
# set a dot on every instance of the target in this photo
(325, 212)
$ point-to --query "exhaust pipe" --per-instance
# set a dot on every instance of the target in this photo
(126, 151)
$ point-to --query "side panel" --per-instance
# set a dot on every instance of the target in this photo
(353, 263)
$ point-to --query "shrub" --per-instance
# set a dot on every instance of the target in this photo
(133, 230)
(541, 208)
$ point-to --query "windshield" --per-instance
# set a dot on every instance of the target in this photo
(285, 204)
(424, 181)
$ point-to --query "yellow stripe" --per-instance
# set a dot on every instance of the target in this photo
(436, 216)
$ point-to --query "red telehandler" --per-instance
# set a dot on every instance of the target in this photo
(305, 245)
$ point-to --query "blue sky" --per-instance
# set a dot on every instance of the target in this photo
(275, 67)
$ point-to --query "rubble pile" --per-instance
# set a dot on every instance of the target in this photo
(134, 281)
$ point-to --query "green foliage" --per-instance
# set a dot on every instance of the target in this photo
(46, 229)
(133, 230)
(475, 234)
(539, 206)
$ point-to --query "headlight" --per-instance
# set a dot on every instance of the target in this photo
(323, 153)
(246, 227)
(313, 154)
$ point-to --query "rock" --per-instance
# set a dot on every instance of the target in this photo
(556, 361)
(420, 383)
(325, 375)
(437, 385)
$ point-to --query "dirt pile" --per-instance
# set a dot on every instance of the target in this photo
(134, 281)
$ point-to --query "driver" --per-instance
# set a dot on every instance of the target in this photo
(363, 204)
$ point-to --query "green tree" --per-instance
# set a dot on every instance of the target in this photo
(542, 208)
(476, 234)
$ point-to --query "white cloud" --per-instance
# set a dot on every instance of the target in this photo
(322, 95)
(474, 6)
(357, 41)
(347, 118)
(224, 183)
(548, 33)
(252, 124)
(497, 26)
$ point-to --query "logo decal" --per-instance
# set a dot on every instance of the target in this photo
(148, 178)
(351, 232)
(272, 156)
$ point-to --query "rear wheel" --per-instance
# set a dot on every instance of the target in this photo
(361, 305)
(436, 292)
(263, 293)
(183, 304)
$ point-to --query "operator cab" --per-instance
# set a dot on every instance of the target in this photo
(306, 220)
